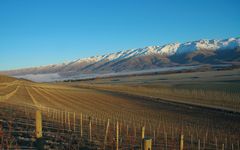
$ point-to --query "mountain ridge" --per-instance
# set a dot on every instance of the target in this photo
(150, 57)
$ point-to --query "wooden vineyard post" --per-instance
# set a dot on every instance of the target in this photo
(119, 128)
(216, 143)
(143, 132)
(48, 112)
(223, 147)
(65, 118)
(191, 146)
(117, 136)
(90, 129)
(54, 114)
(38, 131)
(225, 142)
(127, 130)
(38, 124)
(142, 136)
(238, 147)
(199, 144)
(57, 116)
(106, 134)
(146, 144)
(181, 142)
(166, 142)
(62, 118)
(69, 124)
(154, 137)
(204, 143)
(135, 133)
(74, 121)
(81, 125)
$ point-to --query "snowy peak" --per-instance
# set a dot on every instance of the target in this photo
(168, 49)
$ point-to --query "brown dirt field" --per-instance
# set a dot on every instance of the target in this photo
(8, 89)
(214, 89)
(132, 110)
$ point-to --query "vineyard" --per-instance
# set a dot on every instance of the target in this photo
(76, 118)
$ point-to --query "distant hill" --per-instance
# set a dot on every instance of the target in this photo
(4, 79)
(211, 52)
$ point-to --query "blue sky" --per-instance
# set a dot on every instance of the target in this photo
(41, 32)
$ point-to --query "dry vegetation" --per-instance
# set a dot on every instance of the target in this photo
(215, 89)
(62, 106)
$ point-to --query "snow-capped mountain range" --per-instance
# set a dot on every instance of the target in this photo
(168, 49)
(151, 57)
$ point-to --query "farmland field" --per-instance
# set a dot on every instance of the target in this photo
(215, 89)
(129, 102)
